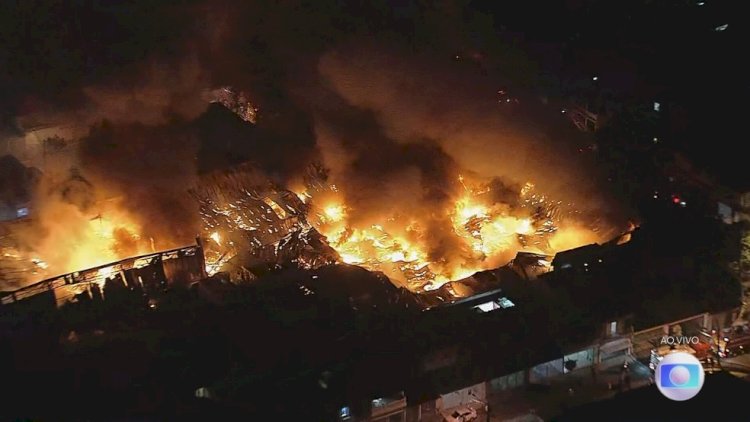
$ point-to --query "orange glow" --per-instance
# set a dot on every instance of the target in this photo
(99, 243)
(78, 241)
(489, 233)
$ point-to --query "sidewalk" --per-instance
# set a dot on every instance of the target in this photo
(573, 389)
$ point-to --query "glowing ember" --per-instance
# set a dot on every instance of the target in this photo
(216, 237)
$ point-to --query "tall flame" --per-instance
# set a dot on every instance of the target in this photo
(103, 240)
(76, 241)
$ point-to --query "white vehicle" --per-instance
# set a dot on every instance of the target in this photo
(461, 414)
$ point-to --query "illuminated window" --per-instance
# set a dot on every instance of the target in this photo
(493, 305)
(345, 413)
(657, 106)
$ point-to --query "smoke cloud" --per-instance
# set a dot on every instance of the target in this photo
(149, 168)
(423, 99)
(395, 126)
(401, 130)
(159, 92)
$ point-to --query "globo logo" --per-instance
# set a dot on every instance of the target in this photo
(679, 376)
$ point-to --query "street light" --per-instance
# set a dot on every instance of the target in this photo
(480, 401)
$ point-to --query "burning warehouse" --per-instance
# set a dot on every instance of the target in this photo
(147, 274)
(252, 221)
(245, 215)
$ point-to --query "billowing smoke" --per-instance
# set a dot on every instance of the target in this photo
(147, 169)
(154, 94)
(402, 131)
(396, 128)
(428, 100)
(133, 105)
(381, 178)
(116, 186)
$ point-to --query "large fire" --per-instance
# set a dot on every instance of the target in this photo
(246, 215)
(487, 233)
(106, 239)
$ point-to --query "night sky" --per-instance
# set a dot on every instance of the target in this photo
(667, 50)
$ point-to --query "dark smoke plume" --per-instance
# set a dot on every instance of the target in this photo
(150, 167)
(416, 98)
(380, 101)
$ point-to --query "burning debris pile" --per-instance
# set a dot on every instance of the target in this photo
(488, 231)
(251, 221)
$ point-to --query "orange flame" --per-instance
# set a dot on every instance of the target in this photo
(76, 241)
(488, 231)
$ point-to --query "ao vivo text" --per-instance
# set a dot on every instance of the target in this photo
(679, 340)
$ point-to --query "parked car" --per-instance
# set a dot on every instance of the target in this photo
(461, 414)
